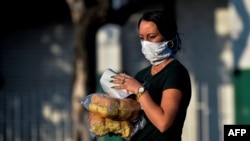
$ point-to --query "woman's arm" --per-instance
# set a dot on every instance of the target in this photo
(163, 115)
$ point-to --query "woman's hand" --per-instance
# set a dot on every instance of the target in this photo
(124, 81)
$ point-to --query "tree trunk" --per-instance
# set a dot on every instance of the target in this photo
(87, 18)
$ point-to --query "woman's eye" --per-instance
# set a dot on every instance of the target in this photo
(141, 38)
(151, 37)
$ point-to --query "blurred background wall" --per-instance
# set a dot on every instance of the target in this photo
(36, 66)
(36, 69)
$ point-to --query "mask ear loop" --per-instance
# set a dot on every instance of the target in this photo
(171, 44)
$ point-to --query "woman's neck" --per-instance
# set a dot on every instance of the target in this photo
(157, 68)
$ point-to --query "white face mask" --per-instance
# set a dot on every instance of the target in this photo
(156, 52)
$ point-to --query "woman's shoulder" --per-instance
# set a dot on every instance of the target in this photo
(177, 65)
(176, 69)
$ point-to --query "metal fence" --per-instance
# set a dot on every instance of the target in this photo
(36, 66)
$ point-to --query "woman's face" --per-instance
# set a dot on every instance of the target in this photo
(148, 31)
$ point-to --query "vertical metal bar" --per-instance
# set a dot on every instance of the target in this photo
(205, 111)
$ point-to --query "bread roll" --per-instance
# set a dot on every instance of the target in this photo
(105, 106)
(97, 124)
(128, 110)
(101, 126)
(119, 109)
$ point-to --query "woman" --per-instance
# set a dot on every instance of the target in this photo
(163, 89)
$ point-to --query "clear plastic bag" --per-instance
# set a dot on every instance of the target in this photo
(114, 108)
(100, 126)
(124, 129)
(113, 111)
(130, 120)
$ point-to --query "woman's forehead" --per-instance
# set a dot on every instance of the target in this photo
(147, 27)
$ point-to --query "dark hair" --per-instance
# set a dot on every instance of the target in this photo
(165, 22)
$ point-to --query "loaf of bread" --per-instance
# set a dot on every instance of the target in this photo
(118, 109)
(104, 105)
(129, 109)
(101, 126)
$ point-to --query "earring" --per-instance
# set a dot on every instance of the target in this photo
(170, 44)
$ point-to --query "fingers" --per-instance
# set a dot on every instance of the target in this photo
(120, 78)
(119, 81)
(121, 86)
(124, 81)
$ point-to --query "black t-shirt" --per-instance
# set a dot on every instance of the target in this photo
(174, 75)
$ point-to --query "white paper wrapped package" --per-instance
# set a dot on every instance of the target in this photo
(106, 85)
